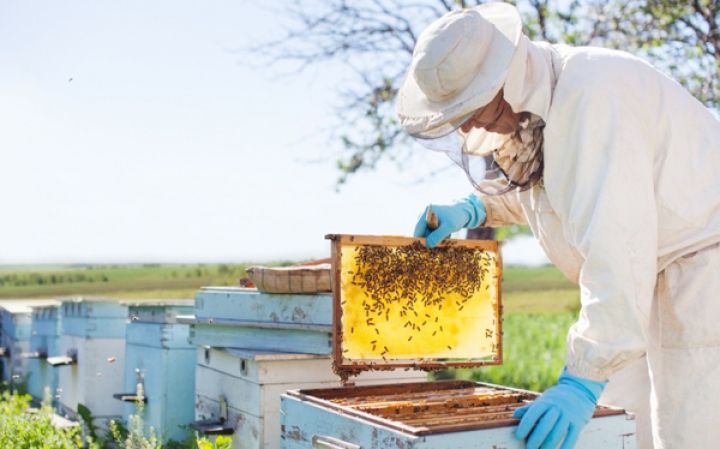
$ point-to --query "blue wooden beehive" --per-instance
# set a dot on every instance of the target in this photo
(15, 322)
(159, 356)
(254, 346)
(243, 317)
(91, 357)
(432, 415)
(44, 340)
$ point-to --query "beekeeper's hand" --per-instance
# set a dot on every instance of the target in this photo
(467, 213)
(559, 414)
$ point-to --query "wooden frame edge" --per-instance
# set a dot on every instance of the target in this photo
(341, 366)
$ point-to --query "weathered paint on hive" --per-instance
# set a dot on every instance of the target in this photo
(95, 329)
(234, 303)
(252, 382)
(94, 318)
(15, 330)
(157, 349)
(291, 340)
(302, 420)
(45, 337)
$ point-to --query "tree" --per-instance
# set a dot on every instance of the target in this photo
(680, 37)
(374, 39)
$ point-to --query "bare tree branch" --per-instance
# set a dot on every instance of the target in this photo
(374, 40)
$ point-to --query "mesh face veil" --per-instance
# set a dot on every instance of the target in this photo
(511, 160)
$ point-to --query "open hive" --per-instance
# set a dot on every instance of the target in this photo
(424, 408)
(399, 304)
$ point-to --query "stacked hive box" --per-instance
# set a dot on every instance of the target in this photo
(15, 337)
(44, 340)
(91, 357)
(255, 346)
(159, 356)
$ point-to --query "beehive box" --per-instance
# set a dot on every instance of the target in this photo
(239, 389)
(255, 346)
(15, 330)
(398, 304)
(159, 356)
(44, 340)
(433, 415)
(244, 317)
(91, 358)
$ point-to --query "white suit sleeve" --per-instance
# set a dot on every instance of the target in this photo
(502, 210)
(599, 179)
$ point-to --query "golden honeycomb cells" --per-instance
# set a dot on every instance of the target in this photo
(422, 318)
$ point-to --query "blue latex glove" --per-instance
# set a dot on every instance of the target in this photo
(466, 213)
(559, 414)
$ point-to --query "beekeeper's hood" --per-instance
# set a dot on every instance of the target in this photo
(460, 63)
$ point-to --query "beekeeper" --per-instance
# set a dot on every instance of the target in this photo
(616, 169)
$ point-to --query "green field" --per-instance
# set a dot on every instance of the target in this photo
(150, 281)
(539, 306)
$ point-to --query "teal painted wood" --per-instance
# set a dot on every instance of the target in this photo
(235, 303)
(166, 311)
(91, 327)
(302, 420)
(159, 355)
(252, 382)
(94, 318)
(15, 338)
(288, 340)
(45, 337)
(16, 323)
(98, 374)
(158, 335)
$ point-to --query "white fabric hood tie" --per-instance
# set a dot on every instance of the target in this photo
(532, 77)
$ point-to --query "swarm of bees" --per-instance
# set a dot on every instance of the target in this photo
(418, 282)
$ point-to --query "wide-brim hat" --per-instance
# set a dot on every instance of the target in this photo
(459, 64)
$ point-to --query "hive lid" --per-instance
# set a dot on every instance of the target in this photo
(397, 304)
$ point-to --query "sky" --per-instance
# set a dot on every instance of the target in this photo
(139, 131)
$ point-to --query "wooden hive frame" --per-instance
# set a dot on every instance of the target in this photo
(345, 367)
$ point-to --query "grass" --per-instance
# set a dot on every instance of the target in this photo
(533, 352)
(21, 428)
(120, 281)
(24, 428)
(540, 305)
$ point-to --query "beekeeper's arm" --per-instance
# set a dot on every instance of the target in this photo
(599, 180)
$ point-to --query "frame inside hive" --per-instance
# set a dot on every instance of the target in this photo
(429, 407)
(397, 304)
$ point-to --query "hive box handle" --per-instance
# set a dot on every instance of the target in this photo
(323, 442)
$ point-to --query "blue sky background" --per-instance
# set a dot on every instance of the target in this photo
(134, 132)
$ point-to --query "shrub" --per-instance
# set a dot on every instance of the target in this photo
(23, 428)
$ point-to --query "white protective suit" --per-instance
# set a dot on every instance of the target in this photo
(629, 208)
